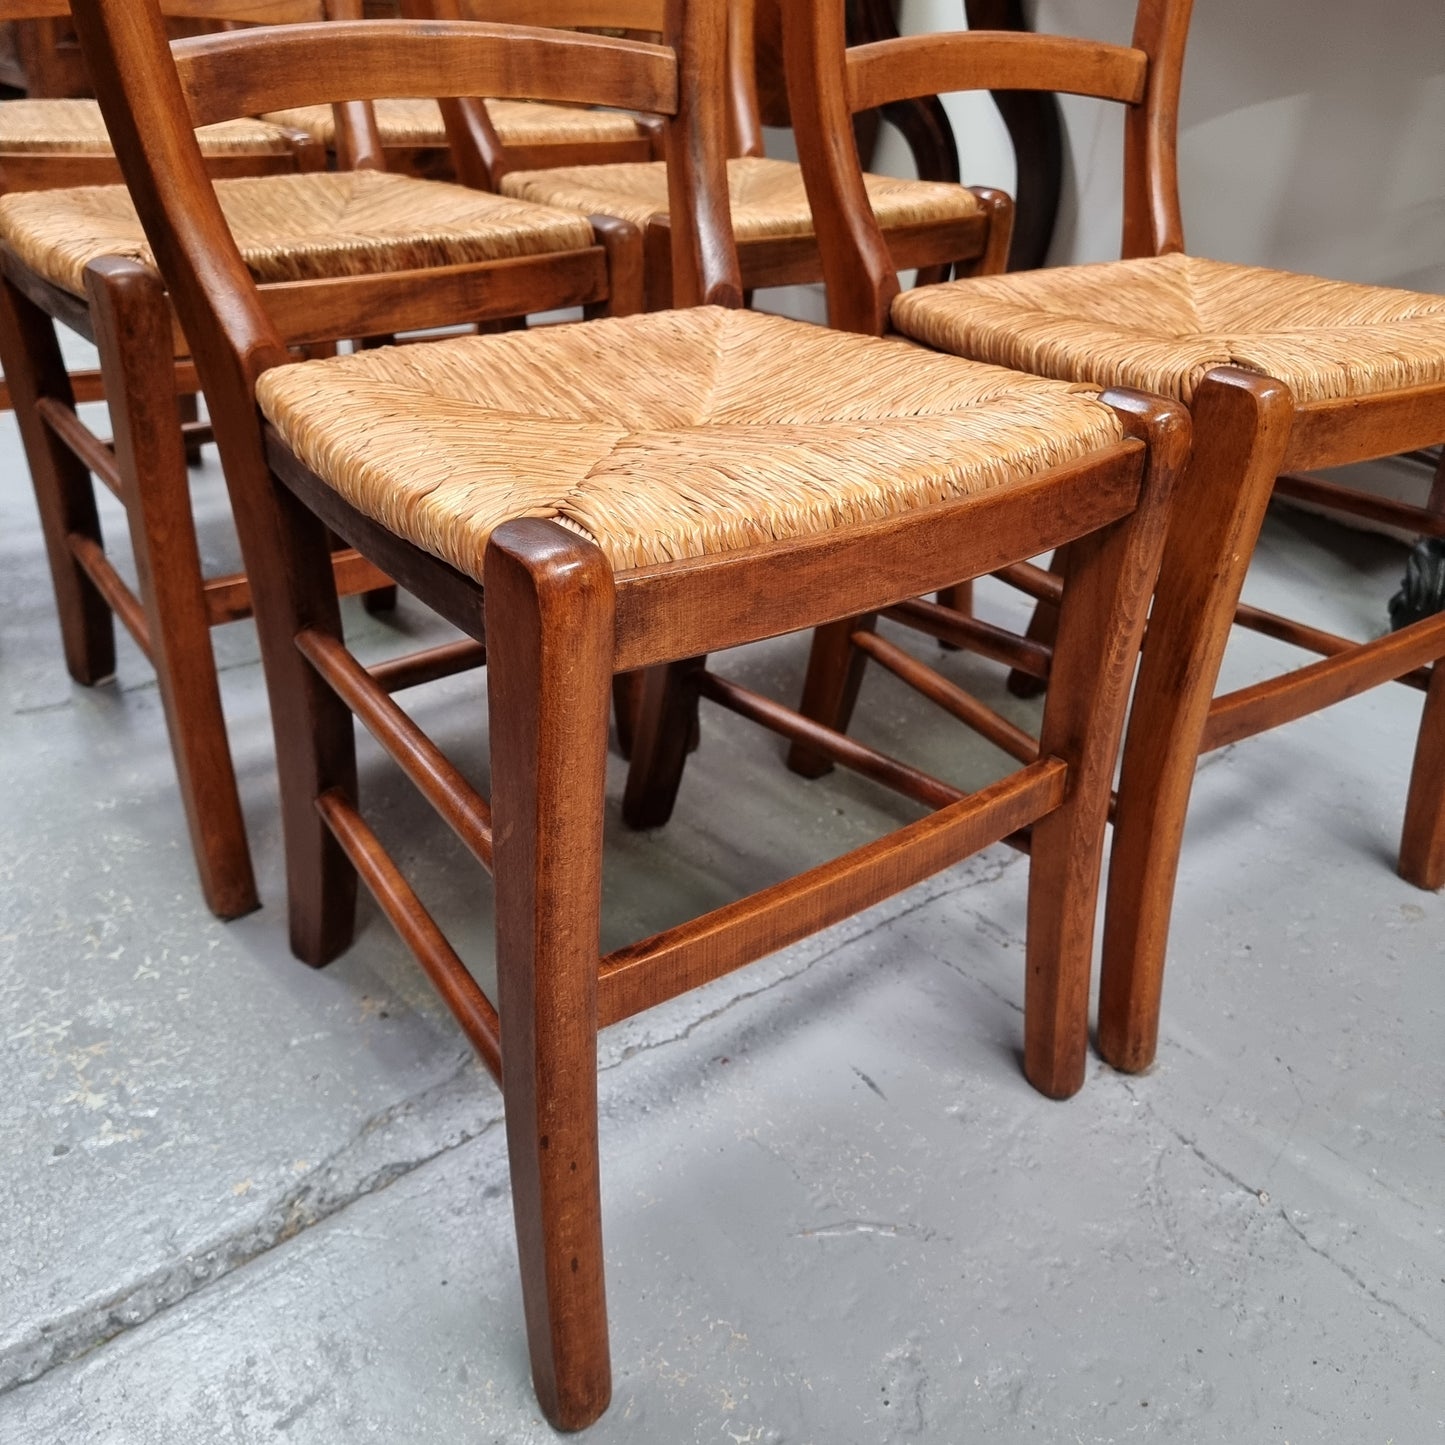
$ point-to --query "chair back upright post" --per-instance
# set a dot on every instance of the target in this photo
(828, 84)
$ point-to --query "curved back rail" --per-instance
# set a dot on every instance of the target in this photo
(828, 83)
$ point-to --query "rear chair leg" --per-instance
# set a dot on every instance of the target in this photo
(1043, 627)
(132, 322)
(1422, 843)
(64, 494)
(1241, 426)
(549, 625)
(664, 729)
(830, 688)
(1100, 623)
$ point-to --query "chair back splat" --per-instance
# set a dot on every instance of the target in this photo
(828, 84)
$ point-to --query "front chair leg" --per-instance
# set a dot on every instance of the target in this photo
(1241, 429)
(1101, 621)
(549, 626)
(830, 688)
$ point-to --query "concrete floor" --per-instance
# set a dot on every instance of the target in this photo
(247, 1202)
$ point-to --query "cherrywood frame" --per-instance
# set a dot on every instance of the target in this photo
(1248, 432)
(556, 624)
(127, 315)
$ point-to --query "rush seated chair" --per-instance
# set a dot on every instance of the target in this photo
(1283, 373)
(340, 255)
(928, 224)
(633, 492)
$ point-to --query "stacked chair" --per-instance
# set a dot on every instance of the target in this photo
(623, 493)
(340, 255)
(928, 225)
(46, 144)
(1282, 373)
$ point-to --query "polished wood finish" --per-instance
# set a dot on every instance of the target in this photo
(128, 315)
(556, 624)
(1248, 432)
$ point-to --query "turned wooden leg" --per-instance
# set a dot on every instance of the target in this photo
(64, 494)
(830, 688)
(1422, 843)
(665, 724)
(132, 320)
(549, 616)
(1241, 427)
(1100, 624)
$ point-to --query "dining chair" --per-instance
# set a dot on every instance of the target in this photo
(633, 492)
(1283, 374)
(928, 224)
(350, 254)
(48, 143)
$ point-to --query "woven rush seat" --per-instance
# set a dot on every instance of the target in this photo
(418, 123)
(1162, 322)
(75, 127)
(666, 436)
(298, 227)
(767, 196)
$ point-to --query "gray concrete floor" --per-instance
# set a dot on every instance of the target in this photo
(247, 1202)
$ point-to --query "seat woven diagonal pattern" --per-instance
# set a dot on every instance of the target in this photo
(1162, 322)
(517, 122)
(667, 436)
(75, 127)
(298, 227)
(767, 196)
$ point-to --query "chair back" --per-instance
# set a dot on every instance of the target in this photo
(154, 93)
(828, 84)
(244, 12)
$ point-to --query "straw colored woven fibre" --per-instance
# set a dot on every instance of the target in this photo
(76, 127)
(518, 122)
(1161, 323)
(298, 227)
(667, 436)
(767, 196)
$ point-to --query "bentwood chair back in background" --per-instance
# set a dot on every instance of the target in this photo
(635, 492)
(1283, 374)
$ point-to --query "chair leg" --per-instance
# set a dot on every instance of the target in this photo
(830, 688)
(1043, 627)
(1100, 624)
(132, 320)
(1422, 842)
(664, 726)
(64, 493)
(1241, 430)
(549, 616)
(190, 411)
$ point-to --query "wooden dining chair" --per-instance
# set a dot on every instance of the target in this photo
(1283, 374)
(340, 255)
(49, 143)
(633, 492)
(928, 224)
